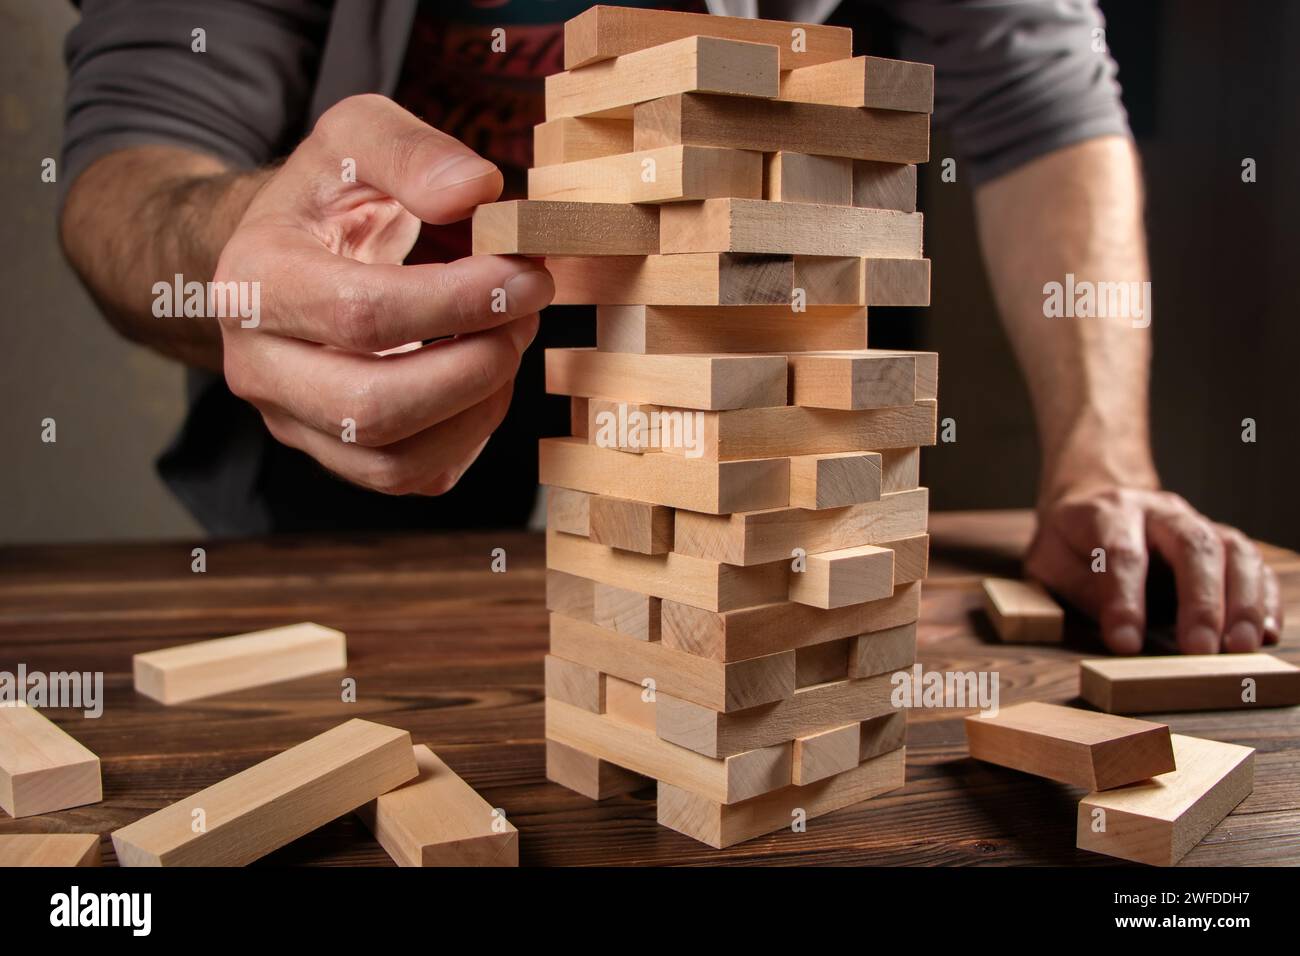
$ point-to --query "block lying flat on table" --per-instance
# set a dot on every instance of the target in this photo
(685, 381)
(721, 825)
(852, 380)
(590, 776)
(1158, 821)
(603, 32)
(628, 612)
(869, 81)
(882, 652)
(568, 511)
(275, 802)
(659, 329)
(175, 675)
(570, 595)
(692, 64)
(1146, 685)
(673, 480)
(679, 172)
(631, 525)
(835, 480)
(784, 430)
(1023, 612)
(796, 177)
(539, 227)
(575, 684)
(42, 769)
(49, 849)
(573, 138)
(826, 753)
(1079, 747)
(884, 185)
(770, 125)
(834, 579)
(439, 820)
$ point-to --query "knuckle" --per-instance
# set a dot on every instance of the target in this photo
(354, 317)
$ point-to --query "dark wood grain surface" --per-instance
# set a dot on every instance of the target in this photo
(443, 647)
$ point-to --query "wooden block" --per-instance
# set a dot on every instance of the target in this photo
(703, 279)
(863, 81)
(1148, 685)
(781, 431)
(628, 612)
(739, 777)
(821, 663)
(788, 228)
(631, 427)
(602, 33)
(568, 511)
(657, 330)
(900, 470)
(1023, 612)
(574, 138)
(849, 576)
(884, 185)
(769, 125)
(808, 709)
(578, 417)
(439, 820)
(880, 735)
(673, 480)
(175, 675)
(627, 702)
(631, 525)
(590, 776)
(574, 684)
(275, 802)
(1079, 747)
(760, 537)
(49, 849)
(651, 176)
(769, 628)
(529, 227)
(1158, 821)
(883, 652)
(836, 480)
(691, 64)
(852, 380)
(684, 381)
(42, 769)
(825, 753)
(889, 282)
(721, 825)
(714, 686)
(911, 557)
(796, 177)
(927, 371)
(570, 595)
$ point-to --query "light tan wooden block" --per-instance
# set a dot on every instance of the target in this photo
(808, 709)
(849, 576)
(574, 684)
(927, 370)
(42, 769)
(1148, 685)
(175, 675)
(736, 778)
(884, 185)
(788, 228)
(770, 125)
(705, 279)
(568, 511)
(760, 537)
(863, 81)
(570, 595)
(630, 703)
(852, 380)
(880, 735)
(578, 417)
(712, 685)
(836, 480)
(49, 849)
(1023, 612)
(1158, 821)
(684, 381)
(532, 227)
(825, 753)
(883, 652)
(720, 825)
(590, 776)
(1079, 747)
(574, 138)
(692, 64)
(911, 557)
(275, 802)
(673, 480)
(630, 427)
(900, 470)
(651, 176)
(628, 612)
(795, 177)
(657, 330)
(604, 32)
(439, 820)
(751, 632)
(821, 663)
(631, 525)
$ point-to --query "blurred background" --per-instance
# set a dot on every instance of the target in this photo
(1207, 83)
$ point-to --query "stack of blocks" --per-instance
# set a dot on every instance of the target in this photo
(735, 531)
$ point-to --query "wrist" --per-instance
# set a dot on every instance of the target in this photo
(1095, 456)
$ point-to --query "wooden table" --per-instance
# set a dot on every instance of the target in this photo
(444, 647)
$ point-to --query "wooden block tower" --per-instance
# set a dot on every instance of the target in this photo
(736, 533)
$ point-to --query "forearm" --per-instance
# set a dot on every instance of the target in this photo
(1077, 211)
(144, 215)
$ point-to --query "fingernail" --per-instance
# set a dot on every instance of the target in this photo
(1201, 640)
(459, 169)
(1270, 624)
(528, 292)
(1126, 639)
(1242, 638)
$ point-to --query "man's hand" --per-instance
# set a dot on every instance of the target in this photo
(326, 253)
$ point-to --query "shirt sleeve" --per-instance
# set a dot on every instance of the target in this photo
(1014, 80)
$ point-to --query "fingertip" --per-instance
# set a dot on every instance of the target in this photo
(1272, 630)
(528, 292)
(1242, 638)
(1200, 640)
(1125, 639)
(459, 185)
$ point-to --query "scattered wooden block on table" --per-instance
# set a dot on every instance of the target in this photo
(570, 595)
(175, 675)
(1158, 821)
(882, 652)
(1146, 685)
(275, 802)
(1023, 612)
(574, 684)
(631, 525)
(439, 820)
(826, 753)
(590, 776)
(628, 612)
(574, 138)
(852, 380)
(1079, 747)
(42, 769)
(49, 849)
(796, 177)
(863, 81)
(536, 227)
(680, 172)
(849, 576)
(626, 701)
(884, 185)
(685, 381)
(880, 735)
(781, 431)
(568, 511)
(657, 329)
(834, 480)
